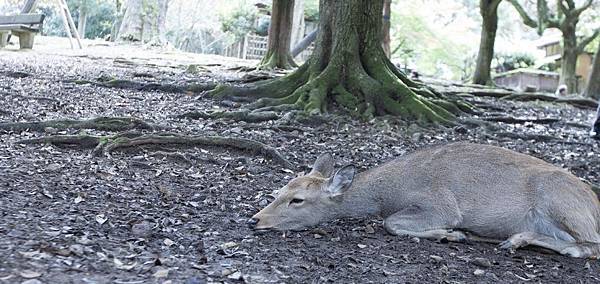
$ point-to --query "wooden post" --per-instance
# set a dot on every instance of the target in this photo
(3, 38)
(25, 39)
(71, 24)
(244, 47)
(63, 16)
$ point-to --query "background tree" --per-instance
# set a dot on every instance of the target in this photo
(386, 40)
(489, 13)
(565, 18)
(349, 67)
(82, 19)
(593, 87)
(280, 33)
(143, 20)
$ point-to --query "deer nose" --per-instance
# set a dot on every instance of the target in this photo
(252, 222)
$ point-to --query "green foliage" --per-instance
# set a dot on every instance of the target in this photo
(417, 44)
(311, 10)
(262, 28)
(239, 21)
(550, 66)
(100, 17)
(510, 61)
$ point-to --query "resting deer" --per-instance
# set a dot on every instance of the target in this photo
(457, 192)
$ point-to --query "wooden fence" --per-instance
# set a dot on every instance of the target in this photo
(255, 47)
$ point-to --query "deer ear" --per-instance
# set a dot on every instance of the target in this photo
(341, 181)
(323, 166)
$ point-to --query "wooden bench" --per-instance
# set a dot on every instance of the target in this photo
(25, 26)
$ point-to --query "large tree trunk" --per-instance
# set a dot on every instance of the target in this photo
(280, 32)
(568, 63)
(132, 25)
(387, 5)
(348, 68)
(143, 20)
(489, 13)
(593, 87)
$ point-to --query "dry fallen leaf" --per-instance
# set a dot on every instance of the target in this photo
(161, 273)
(78, 199)
(29, 274)
(101, 219)
(168, 242)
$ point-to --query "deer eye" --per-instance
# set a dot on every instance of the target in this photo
(296, 201)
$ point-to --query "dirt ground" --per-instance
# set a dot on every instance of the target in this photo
(178, 215)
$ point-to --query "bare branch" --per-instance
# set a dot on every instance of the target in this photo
(562, 7)
(527, 20)
(584, 42)
(545, 19)
(578, 11)
(571, 4)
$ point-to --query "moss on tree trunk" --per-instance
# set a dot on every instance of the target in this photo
(280, 33)
(349, 68)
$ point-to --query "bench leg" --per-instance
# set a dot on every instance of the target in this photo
(3, 39)
(26, 40)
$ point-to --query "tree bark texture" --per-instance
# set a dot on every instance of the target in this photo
(82, 21)
(489, 13)
(593, 87)
(387, 5)
(280, 33)
(568, 64)
(143, 20)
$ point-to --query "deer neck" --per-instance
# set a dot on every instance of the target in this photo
(361, 199)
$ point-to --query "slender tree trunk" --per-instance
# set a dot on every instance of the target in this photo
(298, 23)
(349, 69)
(114, 31)
(593, 87)
(280, 32)
(386, 27)
(568, 63)
(489, 13)
(81, 23)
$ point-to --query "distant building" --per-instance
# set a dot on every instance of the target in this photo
(545, 81)
(553, 49)
(528, 80)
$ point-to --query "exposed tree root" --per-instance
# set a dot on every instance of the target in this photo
(511, 136)
(303, 90)
(272, 61)
(242, 115)
(100, 123)
(142, 86)
(106, 144)
(516, 120)
(30, 97)
(16, 74)
(524, 136)
(575, 101)
(494, 93)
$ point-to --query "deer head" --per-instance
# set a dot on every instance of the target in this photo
(307, 200)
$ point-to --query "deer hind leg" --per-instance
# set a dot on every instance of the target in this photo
(427, 223)
(572, 249)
